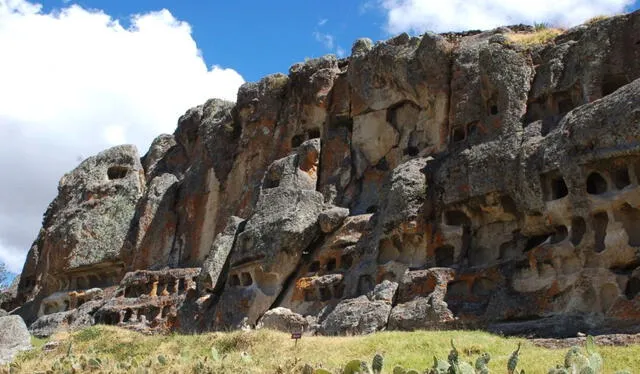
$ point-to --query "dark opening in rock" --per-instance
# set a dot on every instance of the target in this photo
(165, 311)
(600, 223)
(411, 151)
(117, 172)
(365, 284)
(372, 209)
(325, 294)
(245, 279)
(270, 182)
(313, 133)
(565, 105)
(338, 290)
(535, 241)
(346, 261)
(309, 295)
(444, 256)
(596, 184)
(621, 178)
(331, 264)
(458, 289)
(493, 110)
(314, 267)
(630, 218)
(127, 315)
(553, 186)
(578, 229)
(297, 140)
(483, 287)
(472, 129)
(611, 83)
(458, 134)
(234, 280)
(633, 288)
(559, 235)
(456, 218)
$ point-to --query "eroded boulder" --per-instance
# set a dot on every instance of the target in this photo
(14, 338)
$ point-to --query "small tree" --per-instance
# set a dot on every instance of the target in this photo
(4, 277)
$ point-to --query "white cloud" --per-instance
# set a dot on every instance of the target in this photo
(340, 52)
(455, 15)
(325, 39)
(322, 22)
(75, 81)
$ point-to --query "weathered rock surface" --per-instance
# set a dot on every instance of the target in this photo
(423, 182)
(283, 319)
(13, 339)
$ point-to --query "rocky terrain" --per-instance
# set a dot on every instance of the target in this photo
(441, 181)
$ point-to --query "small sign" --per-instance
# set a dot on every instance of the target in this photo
(296, 335)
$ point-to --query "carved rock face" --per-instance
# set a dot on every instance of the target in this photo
(485, 181)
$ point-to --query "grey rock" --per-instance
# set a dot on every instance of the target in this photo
(283, 319)
(214, 265)
(331, 219)
(3, 313)
(385, 291)
(71, 320)
(14, 338)
(420, 313)
(356, 316)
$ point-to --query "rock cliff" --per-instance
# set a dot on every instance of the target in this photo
(440, 181)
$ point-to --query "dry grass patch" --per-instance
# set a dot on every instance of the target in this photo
(540, 36)
(115, 350)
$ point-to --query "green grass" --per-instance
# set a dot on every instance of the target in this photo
(275, 352)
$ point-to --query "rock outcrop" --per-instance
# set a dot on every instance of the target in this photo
(437, 181)
(14, 338)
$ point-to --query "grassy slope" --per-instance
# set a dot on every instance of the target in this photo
(273, 352)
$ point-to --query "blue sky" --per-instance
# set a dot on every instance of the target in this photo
(80, 76)
(257, 38)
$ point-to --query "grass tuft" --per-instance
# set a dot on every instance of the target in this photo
(540, 36)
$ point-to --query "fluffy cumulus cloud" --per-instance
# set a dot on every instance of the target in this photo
(74, 82)
(454, 15)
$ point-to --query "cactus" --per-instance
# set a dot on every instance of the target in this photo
(399, 370)
(595, 360)
(453, 355)
(162, 360)
(307, 369)
(376, 364)
(558, 370)
(482, 363)
(356, 367)
(215, 356)
(321, 371)
(513, 361)
(439, 366)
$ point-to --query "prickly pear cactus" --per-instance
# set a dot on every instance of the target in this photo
(558, 370)
(356, 367)
(575, 360)
(399, 370)
(482, 363)
(439, 366)
(376, 364)
(453, 354)
(595, 360)
(513, 361)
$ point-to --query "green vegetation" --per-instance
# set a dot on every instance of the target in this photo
(107, 349)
